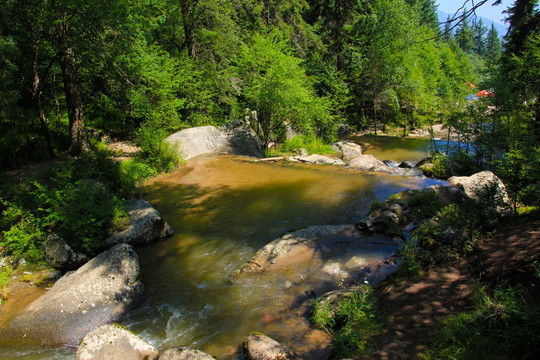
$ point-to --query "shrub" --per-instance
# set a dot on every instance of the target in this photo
(74, 201)
(442, 168)
(311, 144)
(351, 321)
(24, 239)
(133, 173)
(154, 151)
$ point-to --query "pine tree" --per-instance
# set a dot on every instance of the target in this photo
(464, 34)
(479, 30)
(492, 53)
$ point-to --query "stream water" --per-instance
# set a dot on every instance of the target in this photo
(223, 209)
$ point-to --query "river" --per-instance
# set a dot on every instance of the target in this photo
(223, 209)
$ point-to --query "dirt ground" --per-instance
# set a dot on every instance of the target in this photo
(417, 307)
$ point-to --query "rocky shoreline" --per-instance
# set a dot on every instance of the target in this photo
(82, 307)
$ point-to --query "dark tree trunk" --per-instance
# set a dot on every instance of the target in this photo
(188, 17)
(36, 97)
(72, 89)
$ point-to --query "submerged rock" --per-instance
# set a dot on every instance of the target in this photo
(261, 347)
(98, 293)
(113, 342)
(146, 226)
(321, 256)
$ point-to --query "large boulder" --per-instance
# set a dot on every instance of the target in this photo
(261, 347)
(348, 150)
(184, 353)
(60, 255)
(366, 162)
(113, 342)
(484, 186)
(146, 226)
(209, 139)
(98, 293)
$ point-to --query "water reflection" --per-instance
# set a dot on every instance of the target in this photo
(222, 211)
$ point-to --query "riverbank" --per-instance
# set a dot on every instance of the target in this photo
(417, 308)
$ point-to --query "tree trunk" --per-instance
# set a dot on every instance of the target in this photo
(36, 97)
(56, 103)
(188, 20)
(373, 91)
(72, 89)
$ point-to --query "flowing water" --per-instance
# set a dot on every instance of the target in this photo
(223, 209)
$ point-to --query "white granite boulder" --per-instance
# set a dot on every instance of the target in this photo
(114, 342)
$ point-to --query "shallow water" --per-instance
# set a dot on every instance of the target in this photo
(393, 148)
(404, 149)
(223, 210)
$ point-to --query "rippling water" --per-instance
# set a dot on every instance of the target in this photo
(223, 210)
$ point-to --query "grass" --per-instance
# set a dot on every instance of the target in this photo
(311, 144)
(351, 319)
(501, 325)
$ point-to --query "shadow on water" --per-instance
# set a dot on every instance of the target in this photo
(222, 213)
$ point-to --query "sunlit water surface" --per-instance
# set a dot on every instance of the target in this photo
(223, 210)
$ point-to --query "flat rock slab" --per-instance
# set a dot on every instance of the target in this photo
(366, 162)
(319, 160)
(321, 255)
(98, 293)
(113, 342)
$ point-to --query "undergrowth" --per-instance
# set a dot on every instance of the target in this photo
(311, 144)
(351, 320)
(501, 324)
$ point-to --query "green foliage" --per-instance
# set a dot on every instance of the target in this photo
(24, 238)
(423, 203)
(75, 201)
(277, 87)
(520, 172)
(5, 276)
(133, 173)
(500, 326)
(351, 321)
(311, 144)
(154, 151)
(453, 231)
(442, 166)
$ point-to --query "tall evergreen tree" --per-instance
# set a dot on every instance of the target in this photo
(479, 32)
(492, 53)
(464, 34)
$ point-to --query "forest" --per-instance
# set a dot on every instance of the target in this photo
(77, 74)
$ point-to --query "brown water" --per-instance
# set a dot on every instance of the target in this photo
(223, 210)
(394, 148)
